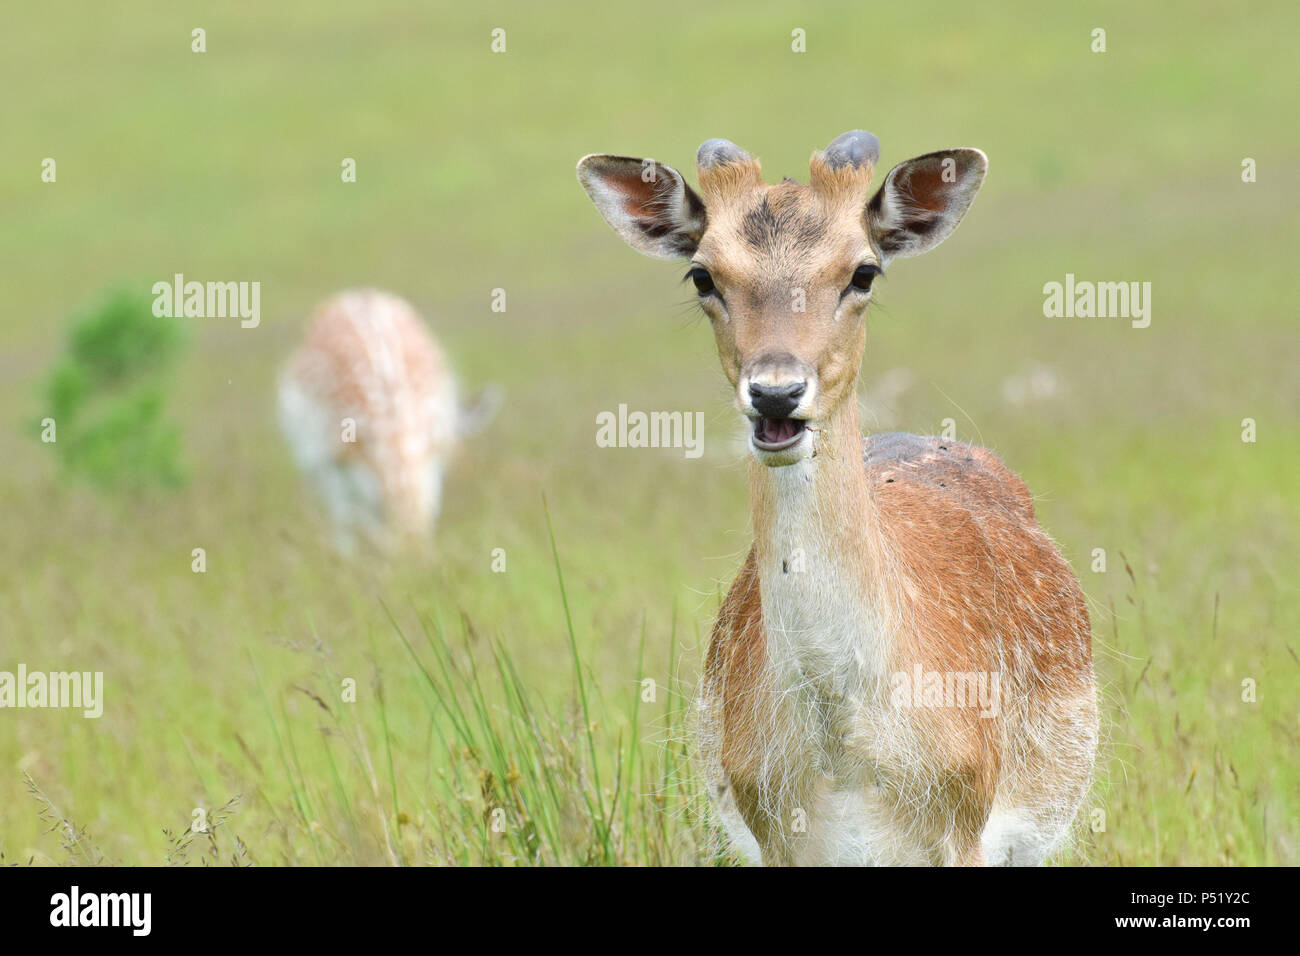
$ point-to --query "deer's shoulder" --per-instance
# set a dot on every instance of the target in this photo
(954, 513)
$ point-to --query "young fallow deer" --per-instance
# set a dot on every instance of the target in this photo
(369, 406)
(876, 563)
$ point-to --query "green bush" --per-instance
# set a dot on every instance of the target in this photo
(107, 396)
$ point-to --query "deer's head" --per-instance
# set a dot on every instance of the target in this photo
(785, 271)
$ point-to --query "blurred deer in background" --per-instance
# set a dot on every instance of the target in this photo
(370, 408)
(885, 571)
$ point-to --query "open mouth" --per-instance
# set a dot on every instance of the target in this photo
(776, 434)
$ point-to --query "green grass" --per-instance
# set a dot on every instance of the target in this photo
(478, 691)
(447, 758)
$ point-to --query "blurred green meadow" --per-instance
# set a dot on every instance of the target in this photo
(506, 717)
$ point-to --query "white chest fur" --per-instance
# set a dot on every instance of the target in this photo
(825, 632)
(827, 640)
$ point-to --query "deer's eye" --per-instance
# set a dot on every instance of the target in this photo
(703, 281)
(863, 276)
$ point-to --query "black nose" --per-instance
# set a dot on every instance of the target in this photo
(775, 401)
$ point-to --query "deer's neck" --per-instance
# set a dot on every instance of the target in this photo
(818, 562)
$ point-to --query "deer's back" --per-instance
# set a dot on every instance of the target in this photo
(967, 477)
(368, 403)
(368, 357)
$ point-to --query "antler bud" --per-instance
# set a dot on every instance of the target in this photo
(720, 152)
(855, 148)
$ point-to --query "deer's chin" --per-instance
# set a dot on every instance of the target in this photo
(779, 442)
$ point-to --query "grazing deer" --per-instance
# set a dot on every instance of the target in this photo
(885, 571)
(369, 406)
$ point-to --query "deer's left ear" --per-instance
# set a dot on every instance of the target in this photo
(922, 200)
(647, 203)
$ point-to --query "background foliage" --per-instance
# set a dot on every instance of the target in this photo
(107, 395)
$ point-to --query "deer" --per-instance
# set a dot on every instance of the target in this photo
(837, 721)
(370, 409)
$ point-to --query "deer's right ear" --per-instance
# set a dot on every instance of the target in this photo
(647, 203)
(922, 200)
